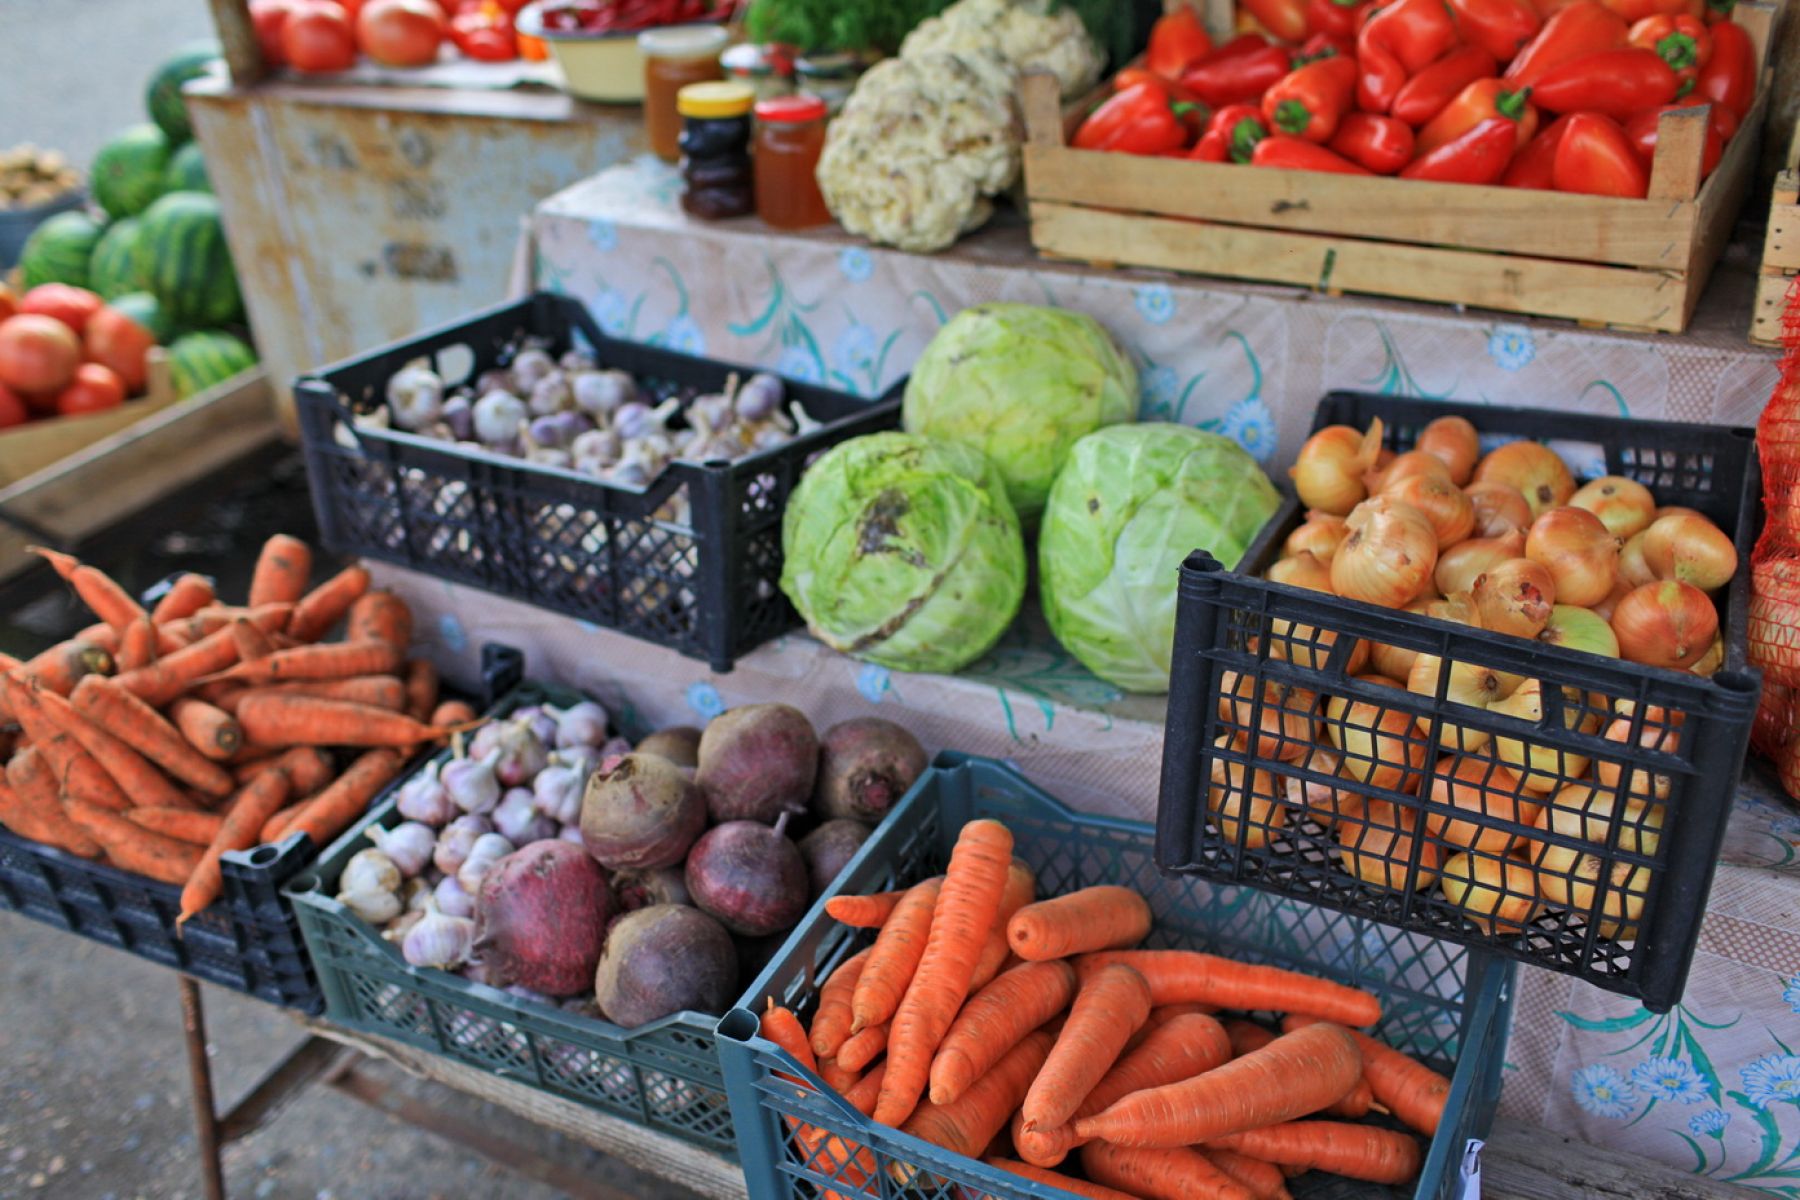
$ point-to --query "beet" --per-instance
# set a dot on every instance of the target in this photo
(757, 762)
(664, 959)
(643, 813)
(749, 876)
(865, 766)
(828, 848)
(640, 889)
(540, 919)
(680, 744)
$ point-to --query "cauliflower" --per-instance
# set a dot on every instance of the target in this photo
(1023, 32)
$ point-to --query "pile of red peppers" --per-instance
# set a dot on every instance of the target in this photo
(1561, 95)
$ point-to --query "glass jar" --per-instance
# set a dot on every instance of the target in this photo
(769, 68)
(715, 150)
(830, 76)
(790, 135)
(674, 58)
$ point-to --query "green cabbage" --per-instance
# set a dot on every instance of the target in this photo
(1132, 502)
(1021, 384)
(904, 552)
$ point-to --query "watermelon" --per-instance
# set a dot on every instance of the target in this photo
(198, 361)
(128, 172)
(59, 249)
(187, 171)
(143, 310)
(163, 99)
(117, 265)
(187, 263)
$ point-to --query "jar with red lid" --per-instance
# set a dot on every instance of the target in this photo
(790, 136)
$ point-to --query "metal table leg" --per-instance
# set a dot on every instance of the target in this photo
(206, 1122)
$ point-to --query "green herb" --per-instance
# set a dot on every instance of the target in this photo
(883, 24)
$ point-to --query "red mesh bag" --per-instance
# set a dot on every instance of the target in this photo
(1774, 631)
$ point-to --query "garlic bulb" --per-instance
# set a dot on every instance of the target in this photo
(497, 416)
(760, 398)
(581, 724)
(370, 871)
(458, 838)
(602, 393)
(472, 783)
(423, 799)
(375, 906)
(489, 849)
(557, 791)
(531, 365)
(395, 930)
(415, 896)
(408, 845)
(550, 394)
(451, 899)
(416, 395)
(440, 940)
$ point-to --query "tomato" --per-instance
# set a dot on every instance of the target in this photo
(401, 33)
(95, 389)
(269, 18)
(9, 302)
(317, 37)
(13, 410)
(116, 341)
(38, 354)
(72, 306)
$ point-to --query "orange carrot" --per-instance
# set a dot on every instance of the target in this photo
(326, 604)
(331, 660)
(421, 688)
(1247, 1036)
(996, 1019)
(66, 664)
(137, 648)
(308, 769)
(858, 912)
(183, 824)
(966, 909)
(1364, 1152)
(185, 597)
(454, 712)
(242, 823)
(895, 957)
(864, 1047)
(838, 1077)
(281, 571)
(283, 719)
(169, 676)
(996, 955)
(1294, 1075)
(33, 811)
(251, 760)
(101, 635)
(831, 1024)
(379, 691)
(1107, 1011)
(969, 1124)
(1078, 1187)
(252, 643)
(212, 731)
(332, 810)
(139, 781)
(71, 766)
(131, 847)
(142, 728)
(862, 1097)
(1357, 1102)
(1095, 918)
(1262, 1180)
(1403, 1085)
(1175, 1173)
(1183, 975)
(98, 590)
(270, 618)
(1162, 1014)
(782, 1027)
(380, 617)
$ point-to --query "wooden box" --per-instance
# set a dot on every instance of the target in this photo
(27, 449)
(1632, 264)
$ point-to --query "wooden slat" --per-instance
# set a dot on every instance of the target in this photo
(1680, 153)
(237, 37)
(1781, 245)
(1771, 304)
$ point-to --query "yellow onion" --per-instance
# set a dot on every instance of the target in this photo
(1540, 475)
(1674, 510)
(1688, 547)
(1543, 768)
(1379, 744)
(1665, 624)
(1285, 722)
(1455, 443)
(1623, 505)
(1451, 513)
(1302, 570)
(1582, 556)
(1499, 895)
(1388, 558)
(1661, 731)
(1579, 629)
(1462, 564)
(1303, 645)
(1457, 607)
(1632, 567)
(1328, 474)
(1712, 660)
(1377, 848)
(1515, 597)
(1254, 813)
(1470, 684)
(1319, 536)
(1481, 788)
(1396, 662)
(1568, 877)
(1411, 465)
(1326, 803)
(1604, 609)
(1499, 508)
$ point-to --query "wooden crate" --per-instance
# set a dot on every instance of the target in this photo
(27, 449)
(1781, 253)
(1632, 264)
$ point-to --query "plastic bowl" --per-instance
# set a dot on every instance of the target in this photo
(16, 224)
(605, 67)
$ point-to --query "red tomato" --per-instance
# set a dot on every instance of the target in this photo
(13, 410)
(116, 341)
(401, 33)
(317, 37)
(9, 302)
(38, 354)
(270, 18)
(95, 389)
(72, 306)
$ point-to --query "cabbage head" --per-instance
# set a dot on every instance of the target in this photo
(1021, 384)
(904, 552)
(1132, 502)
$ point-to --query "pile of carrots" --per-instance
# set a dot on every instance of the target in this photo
(158, 740)
(1032, 1033)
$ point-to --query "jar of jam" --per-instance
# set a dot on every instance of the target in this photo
(715, 150)
(790, 135)
(673, 58)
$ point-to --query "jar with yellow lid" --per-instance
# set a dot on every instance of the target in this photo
(715, 150)
(673, 58)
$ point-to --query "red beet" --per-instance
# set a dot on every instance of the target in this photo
(643, 813)
(749, 876)
(664, 959)
(828, 848)
(865, 766)
(540, 919)
(680, 744)
(641, 889)
(757, 762)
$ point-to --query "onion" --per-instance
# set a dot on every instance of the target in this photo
(1377, 848)
(1414, 464)
(1515, 597)
(1499, 508)
(1579, 629)
(1498, 895)
(1388, 557)
(1396, 662)
(1542, 768)
(1674, 510)
(1454, 442)
(1712, 660)
(1255, 813)
(1623, 505)
(1633, 569)
(1451, 513)
(1320, 536)
(1604, 609)
(1459, 566)
(1302, 570)
(1469, 684)
(1661, 731)
(1285, 718)
(1380, 746)
(1457, 607)
(1482, 788)
(1665, 624)
(1328, 474)
(1688, 547)
(1583, 812)
(1582, 556)
(1535, 469)
(1324, 802)
(1307, 645)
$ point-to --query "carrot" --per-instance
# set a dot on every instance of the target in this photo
(185, 597)
(1247, 1036)
(270, 618)
(1076, 1187)
(894, 958)
(212, 731)
(98, 590)
(252, 643)
(858, 912)
(1095, 918)
(142, 728)
(966, 908)
(1183, 975)
(131, 847)
(421, 688)
(281, 571)
(996, 955)
(281, 719)
(332, 660)
(862, 1097)
(782, 1027)
(380, 617)
(1357, 1101)
(137, 779)
(66, 664)
(1364, 1152)
(100, 634)
(996, 1019)
(454, 712)
(379, 691)
(169, 676)
(70, 765)
(1288, 1078)
(308, 769)
(1175, 1173)
(183, 824)
(1265, 1181)
(242, 824)
(831, 1023)
(837, 1077)
(332, 810)
(1162, 1014)
(1403, 1085)
(1107, 1011)
(137, 648)
(326, 604)
(970, 1123)
(29, 807)
(864, 1047)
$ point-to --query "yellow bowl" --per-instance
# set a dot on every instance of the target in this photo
(605, 67)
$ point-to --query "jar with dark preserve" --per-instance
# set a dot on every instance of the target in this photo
(715, 150)
(674, 58)
(790, 135)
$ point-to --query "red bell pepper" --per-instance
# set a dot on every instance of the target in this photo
(1479, 156)
(1595, 158)
(1310, 102)
(1283, 20)
(1238, 128)
(1323, 45)
(1577, 31)
(1177, 42)
(1210, 148)
(1240, 70)
(1380, 144)
(1396, 43)
(1336, 18)
(1139, 120)
(1298, 154)
(1730, 78)
(1194, 115)
(1721, 124)
(484, 31)
(1501, 27)
(1615, 82)
(1430, 91)
(1634, 11)
(1682, 41)
(1534, 166)
(1483, 100)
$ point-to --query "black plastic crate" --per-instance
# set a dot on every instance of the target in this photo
(692, 561)
(1591, 868)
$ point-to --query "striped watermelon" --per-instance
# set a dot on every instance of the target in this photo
(197, 361)
(187, 171)
(187, 263)
(143, 310)
(128, 172)
(163, 99)
(117, 265)
(58, 250)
